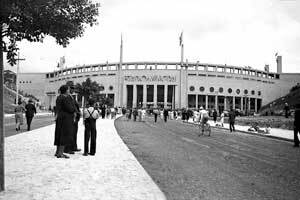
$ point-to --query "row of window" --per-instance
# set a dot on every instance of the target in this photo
(221, 90)
(24, 81)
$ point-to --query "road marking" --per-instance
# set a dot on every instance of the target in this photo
(194, 142)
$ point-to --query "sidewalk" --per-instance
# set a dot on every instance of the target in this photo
(38, 114)
(32, 172)
(276, 133)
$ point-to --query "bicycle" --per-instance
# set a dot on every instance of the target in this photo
(205, 127)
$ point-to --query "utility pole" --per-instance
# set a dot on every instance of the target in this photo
(17, 77)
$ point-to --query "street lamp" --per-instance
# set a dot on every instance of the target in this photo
(17, 77)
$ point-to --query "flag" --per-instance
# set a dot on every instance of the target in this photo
(62, 61)
(181, 39)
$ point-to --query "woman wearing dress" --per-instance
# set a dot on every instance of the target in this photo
(19, 110)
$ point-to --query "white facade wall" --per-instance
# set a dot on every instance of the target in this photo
(144, 74)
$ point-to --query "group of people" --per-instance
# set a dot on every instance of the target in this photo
(66, 128)
(29, 110)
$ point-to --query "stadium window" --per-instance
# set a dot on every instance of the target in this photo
(111, 87)
(211, 89)
(221, 89)
(201, 89)
(238, 91)
(192, 88)
(229, 90)
(245, 91)
(259, 93)
(253, 92)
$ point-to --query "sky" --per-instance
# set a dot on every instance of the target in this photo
(233, 32)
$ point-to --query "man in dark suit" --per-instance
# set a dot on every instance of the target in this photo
(73, 146)
(29, 113)
(231, 119)
(297, 125)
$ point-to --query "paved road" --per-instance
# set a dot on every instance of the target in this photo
(37, 122)
(223, 166)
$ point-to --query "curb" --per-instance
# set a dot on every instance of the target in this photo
(251, 133)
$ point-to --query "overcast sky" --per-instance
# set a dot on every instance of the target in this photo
(235, 32)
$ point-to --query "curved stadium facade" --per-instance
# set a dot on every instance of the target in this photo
(172, 84)
(169, 84)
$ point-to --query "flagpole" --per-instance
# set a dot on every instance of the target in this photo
(120, 88)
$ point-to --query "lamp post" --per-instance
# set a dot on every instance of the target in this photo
(17, 77)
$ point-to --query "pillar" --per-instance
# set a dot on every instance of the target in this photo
(225, 103)
(216, 102)
(145, 96)
(124, 95)
(242, 104)
(249, 105)
(134, 99)
(206, 102)
(196, 101)
(165, 96)
(255, 104)
(155, 95)
(233, 102)
(177, 97)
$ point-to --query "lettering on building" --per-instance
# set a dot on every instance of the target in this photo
(154, 78)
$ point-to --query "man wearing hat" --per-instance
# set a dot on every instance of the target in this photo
(73, 146)
(297, 125)
(29, 113)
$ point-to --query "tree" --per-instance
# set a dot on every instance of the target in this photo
(87, 89)
(33, 20)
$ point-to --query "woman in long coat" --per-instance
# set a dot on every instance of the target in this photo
(64, 122)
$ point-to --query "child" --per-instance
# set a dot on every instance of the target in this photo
(90, 115)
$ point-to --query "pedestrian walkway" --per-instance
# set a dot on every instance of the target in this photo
(33, 172)
(37, 114)
(277, 133)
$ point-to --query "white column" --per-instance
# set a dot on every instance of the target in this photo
(124, 95)
(216, 102)
(255, 101)
(177, 97)
(145, 96)
(165, 96)
(249, 104)
(233, 102)
(242, 106)
(225, 103)
(155, 95)
(196, 101)
(206, 102)
(134, 99)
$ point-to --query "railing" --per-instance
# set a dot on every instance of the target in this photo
(204, 67)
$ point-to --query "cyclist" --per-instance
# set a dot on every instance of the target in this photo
(203, 118)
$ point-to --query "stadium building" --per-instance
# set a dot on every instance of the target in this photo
(170, 84)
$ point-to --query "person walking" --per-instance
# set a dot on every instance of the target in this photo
(231, 120)
(215, 115)
(19, 110)
(222, 119)
(64, 121)
(155, 112)
(166, 114)
(287, 110)
(90, 115)
(29, 113)
(297, 125)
